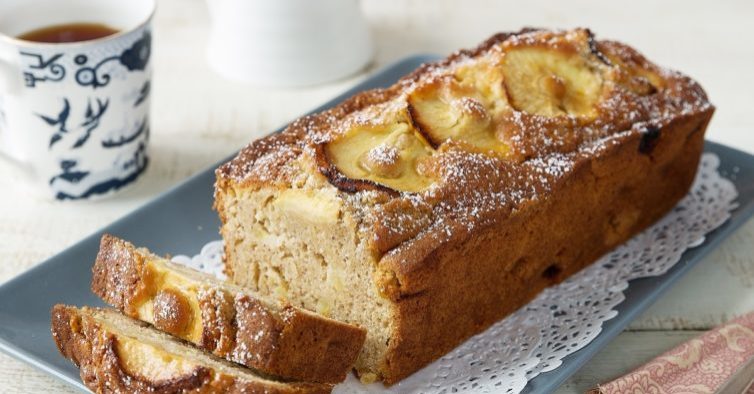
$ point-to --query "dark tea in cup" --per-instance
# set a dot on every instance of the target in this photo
(69, 32)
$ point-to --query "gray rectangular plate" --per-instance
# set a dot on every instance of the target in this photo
(181, 221)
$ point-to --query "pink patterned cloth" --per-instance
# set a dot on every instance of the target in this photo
(704, 364)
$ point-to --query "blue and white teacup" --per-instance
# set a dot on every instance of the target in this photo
(76, 115)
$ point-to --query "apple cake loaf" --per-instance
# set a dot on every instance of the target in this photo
(229, 321)
(427, 211)
(117, 354)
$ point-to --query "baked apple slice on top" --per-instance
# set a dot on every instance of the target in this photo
(552, 85)
(444, 109)
(551, 81)
(388, 155)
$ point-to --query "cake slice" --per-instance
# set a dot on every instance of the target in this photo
(117, 354)
(222, 318)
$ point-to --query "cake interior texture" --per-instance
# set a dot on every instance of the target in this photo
(307, 249)
(427, 211)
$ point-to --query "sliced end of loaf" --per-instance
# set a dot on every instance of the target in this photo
(117, 353)
(305, 246)
(227, 320)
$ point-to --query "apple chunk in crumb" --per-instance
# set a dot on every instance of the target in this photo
(313, 206)
(151, 363)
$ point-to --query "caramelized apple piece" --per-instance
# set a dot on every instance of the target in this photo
(485, 77)
(172, 312)
(551, 81)
(386, 154)
(150, 362)
(444, 109)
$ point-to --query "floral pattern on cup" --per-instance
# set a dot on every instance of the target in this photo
(135, 58)
(42, 69)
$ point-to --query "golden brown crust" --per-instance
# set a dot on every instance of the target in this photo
(116, 273)
(268, 161)
(536, 140)
(287, 341)
(93, 348)
(492, 232)
(601, 204)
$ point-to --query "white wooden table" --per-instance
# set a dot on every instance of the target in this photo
(199, 118)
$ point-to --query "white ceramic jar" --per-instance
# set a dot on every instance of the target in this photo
(287, 43)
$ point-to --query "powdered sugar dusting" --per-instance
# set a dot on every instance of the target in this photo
(383, 155)
(470, 186)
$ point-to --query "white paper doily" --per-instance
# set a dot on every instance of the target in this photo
(563, 318)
